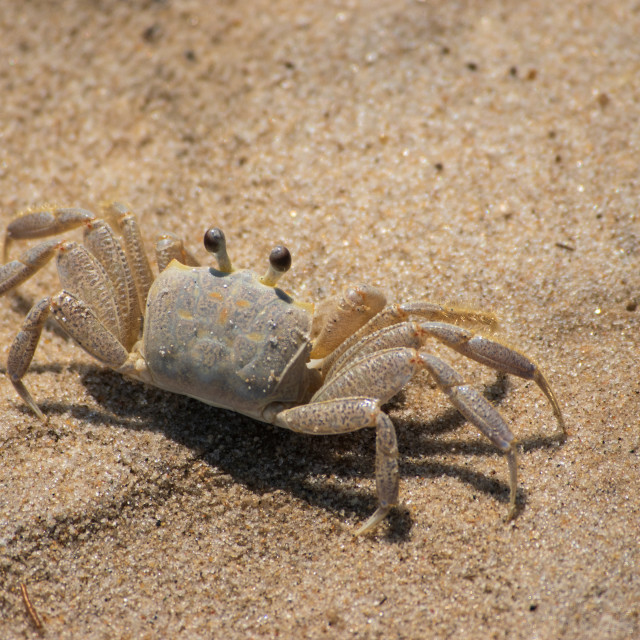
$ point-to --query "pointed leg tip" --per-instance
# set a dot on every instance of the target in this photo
(562, 427)
(36, 409)
(380, 514)
(542, 382)
(23, 392)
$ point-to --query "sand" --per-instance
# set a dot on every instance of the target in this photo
(480, 154)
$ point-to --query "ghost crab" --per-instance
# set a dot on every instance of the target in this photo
(235, 340)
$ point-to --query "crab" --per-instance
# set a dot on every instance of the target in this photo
(235, 340)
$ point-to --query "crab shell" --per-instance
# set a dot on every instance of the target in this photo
(227, 340)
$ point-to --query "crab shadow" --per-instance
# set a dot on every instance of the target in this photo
(265, 458)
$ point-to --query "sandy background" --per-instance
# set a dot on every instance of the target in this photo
(480, 153)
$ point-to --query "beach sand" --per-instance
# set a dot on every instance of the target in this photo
(484, 155)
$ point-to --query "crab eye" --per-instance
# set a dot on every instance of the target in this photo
(214, 239)
(214, 242)
(280, 259)
(279, 263)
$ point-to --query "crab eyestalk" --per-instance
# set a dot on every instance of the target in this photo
(215, 243)
(279, 263)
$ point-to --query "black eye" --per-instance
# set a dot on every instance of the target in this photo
(214, 240)
(280, 259)
(279, 262)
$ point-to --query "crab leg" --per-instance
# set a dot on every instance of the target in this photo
(44, 222)
(78, 270)
(484, 350)
(124, 278)
(77, 319)
(17, 271)
(380, 376)
(480, 412)
(404, 334)
(383, 374)
(343, 415)
(169, 247)
(104, 286)
(82, 274)
(134, 249)
(100, 240)
(23, 348)
(339, 318)
(398, 313)
(82, 324)
(495, 355)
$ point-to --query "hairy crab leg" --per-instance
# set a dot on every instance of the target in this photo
(343, 415)
(41, 223)
(82, 274)
(22, 349)
(100, 240)
(496, 355)
(17, 271)
(479, 348)
(383, 374)
(79, 321)
(169, 247)
(404, 334)
(134, 248)
(398, 313)
(338, 318)
(480, 412)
